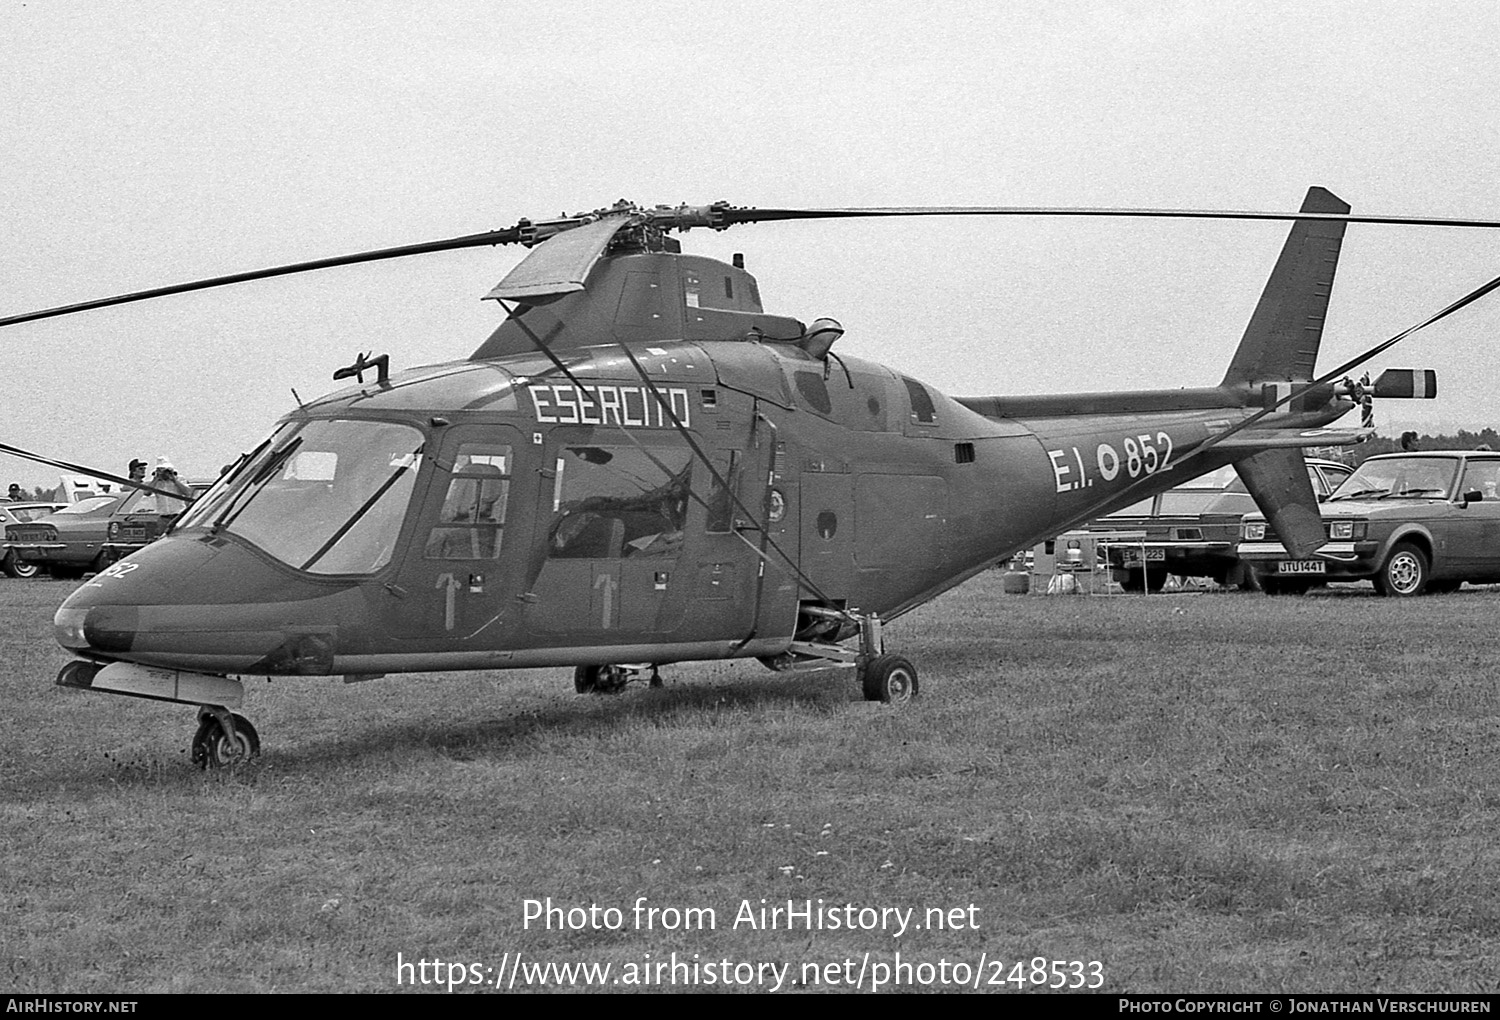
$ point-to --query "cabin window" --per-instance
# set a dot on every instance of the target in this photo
(922, 409)
(620, 502)
(813, 391)
(859, 396)
(471, 521)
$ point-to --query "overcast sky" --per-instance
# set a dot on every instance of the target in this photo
(153, 142)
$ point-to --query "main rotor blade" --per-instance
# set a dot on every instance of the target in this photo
(560, 264)
(717, 216)
(509, 235)
(16, 451)
(734, 215)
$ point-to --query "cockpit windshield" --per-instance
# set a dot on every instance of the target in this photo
(328, 497)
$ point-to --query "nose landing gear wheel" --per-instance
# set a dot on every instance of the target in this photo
(889, 678)
(214, 749)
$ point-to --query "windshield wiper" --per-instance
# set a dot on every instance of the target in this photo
(255, 486)
(1356, 495)
(359, 514)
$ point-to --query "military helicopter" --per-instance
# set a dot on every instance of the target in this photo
(641, 466)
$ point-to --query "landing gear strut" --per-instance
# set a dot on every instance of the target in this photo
(224, 739)
(888, 678)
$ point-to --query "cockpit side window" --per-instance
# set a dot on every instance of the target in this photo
(471, 521)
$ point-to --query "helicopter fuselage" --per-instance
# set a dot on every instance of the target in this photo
(500, 512)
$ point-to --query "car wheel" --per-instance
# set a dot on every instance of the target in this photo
(1143, 580)
(17, 567)
(1404, 573)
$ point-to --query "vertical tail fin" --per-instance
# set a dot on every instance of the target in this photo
(1281, 342)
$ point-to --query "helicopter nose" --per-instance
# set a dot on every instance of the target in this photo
(205, 604)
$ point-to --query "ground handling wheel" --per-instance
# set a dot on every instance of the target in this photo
(889, 678)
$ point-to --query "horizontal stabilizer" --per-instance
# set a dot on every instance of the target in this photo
(1417, 383)
(1277, 439)
(1278, 481)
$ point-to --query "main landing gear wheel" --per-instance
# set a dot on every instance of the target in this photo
(1404, 573)
(889, 678)
(214, 749)
(599, 679)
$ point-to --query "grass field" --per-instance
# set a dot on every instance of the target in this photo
(1208, 792)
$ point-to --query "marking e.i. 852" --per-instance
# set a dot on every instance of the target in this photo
(1133, 457)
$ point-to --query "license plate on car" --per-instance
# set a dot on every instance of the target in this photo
(1301, 567)
(1152, 555)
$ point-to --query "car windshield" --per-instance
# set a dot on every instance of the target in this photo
(88, 506)
(1189, 499)
(1396, 477)
(142, 502)
(1219, 478)
(1188, 502)
(328, 497)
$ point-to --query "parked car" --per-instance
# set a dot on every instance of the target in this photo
(143, 518)
(1193, 530)
(19, 513)
(1410, 522)
(67, 542)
